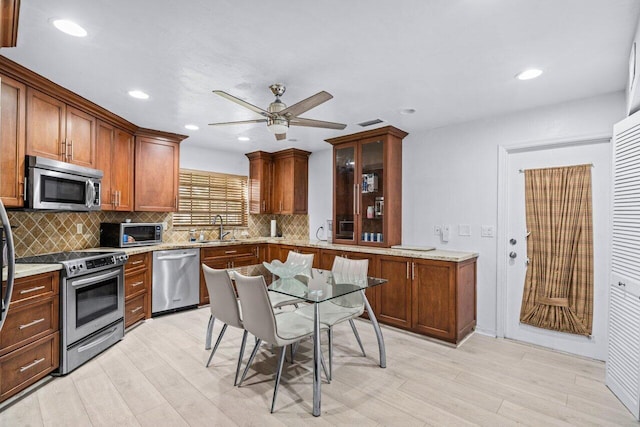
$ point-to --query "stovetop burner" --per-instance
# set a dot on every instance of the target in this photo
(77, 263)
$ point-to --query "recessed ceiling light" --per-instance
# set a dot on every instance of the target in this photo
(191, 127)
(138, 94)
(529, 74)
(244, 138)
(70, 27)
(407, 111)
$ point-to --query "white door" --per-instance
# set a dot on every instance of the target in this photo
(598, 154)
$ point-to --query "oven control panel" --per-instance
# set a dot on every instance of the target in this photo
(82, 266)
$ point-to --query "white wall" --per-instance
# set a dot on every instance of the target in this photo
(210, 159)
(450, 177)
(320, 190)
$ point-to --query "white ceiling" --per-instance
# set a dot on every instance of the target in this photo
(450, 60)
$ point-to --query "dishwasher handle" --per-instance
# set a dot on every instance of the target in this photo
(174, 257)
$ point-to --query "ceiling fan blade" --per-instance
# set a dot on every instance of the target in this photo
(245, 104)
(242, 122)
(306, 104)
(299, 121)
(281, 136)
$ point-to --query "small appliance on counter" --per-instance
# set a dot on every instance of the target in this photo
(124, 234)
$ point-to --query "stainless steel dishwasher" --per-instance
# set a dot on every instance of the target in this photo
(176, 280)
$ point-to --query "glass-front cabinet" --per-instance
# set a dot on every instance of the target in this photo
(367, 199)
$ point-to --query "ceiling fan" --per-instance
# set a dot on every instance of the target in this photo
(278, 116)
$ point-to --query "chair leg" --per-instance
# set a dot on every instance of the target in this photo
(224, 329)
(207, 338)
(244, 342)
(283, 351)
(294, 350)
(330, 336)
(355, 332)
(253, 355)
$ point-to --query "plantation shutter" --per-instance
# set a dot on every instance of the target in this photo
(203, 195)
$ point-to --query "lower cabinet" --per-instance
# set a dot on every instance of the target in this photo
(393, 302)
(227, 257)
(137, 288)
(30, 338)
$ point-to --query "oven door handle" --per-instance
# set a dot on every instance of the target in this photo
(91, 193)
(93, 279)
(107, 335)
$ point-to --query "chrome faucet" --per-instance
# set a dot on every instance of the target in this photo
(222, 232)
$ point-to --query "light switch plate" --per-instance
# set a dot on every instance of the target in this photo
(464, 230)
(79, 228)
(487, 231)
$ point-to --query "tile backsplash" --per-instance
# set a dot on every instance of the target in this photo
(39, 232)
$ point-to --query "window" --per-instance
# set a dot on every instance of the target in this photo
(203, 195)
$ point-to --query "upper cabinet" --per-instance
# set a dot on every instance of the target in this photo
(59, 131)
(278, 182)
(157, 170)
(9, 13)
(12, 141)
(115, 155)
(367, 182)
(260, 182)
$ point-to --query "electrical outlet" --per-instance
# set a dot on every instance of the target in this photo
(78, 228)
(165, 226)
(437, 230)
(446, 232)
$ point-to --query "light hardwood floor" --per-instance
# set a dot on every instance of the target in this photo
(156, 377)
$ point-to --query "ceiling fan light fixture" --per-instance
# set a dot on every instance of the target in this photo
(277, 126)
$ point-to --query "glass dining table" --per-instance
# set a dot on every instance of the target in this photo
(320, 286)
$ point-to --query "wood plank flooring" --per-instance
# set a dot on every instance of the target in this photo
(156, 377)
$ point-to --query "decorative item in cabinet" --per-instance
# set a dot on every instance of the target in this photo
(12, 141)
(115, 154)
(59, 131)
(359, 204)
(137, 288)
(30, 338)
(157, 171)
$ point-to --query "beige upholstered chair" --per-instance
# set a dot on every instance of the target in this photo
(279, 330)
(224, 306)
(346, 307)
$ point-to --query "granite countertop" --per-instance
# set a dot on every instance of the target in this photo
(24, 270)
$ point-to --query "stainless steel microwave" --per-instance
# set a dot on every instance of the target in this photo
(123, 234)
(54, 185)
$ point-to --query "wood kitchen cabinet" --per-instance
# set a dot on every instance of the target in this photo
(394, 299)
(260, 182)
(226, 257)
(30, 338)
(59, 131)
(137, 288)
(12, 141)
(115, 154)
(290, 182)
(367, 199)
(157, 171)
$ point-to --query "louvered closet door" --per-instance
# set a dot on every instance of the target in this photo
(623, 362)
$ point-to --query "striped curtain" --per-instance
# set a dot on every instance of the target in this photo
(558, 289)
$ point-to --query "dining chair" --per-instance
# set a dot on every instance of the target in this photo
(224, 306)
(279, 330)
(293, 259)
(343, 308)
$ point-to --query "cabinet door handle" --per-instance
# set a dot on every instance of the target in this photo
(136, 309)
(35, 322)
(63, 149)
(413, 271)
(133, 285)
(27, 291)
(355, 194)
(358, 199)
(257, 252)
(71, 149)
(119, 197)
(407, 269)
(230, 252)
(264, 205)
(136, 262)
(175, 202)
(31, 365)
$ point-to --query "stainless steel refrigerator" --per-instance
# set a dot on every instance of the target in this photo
(9, 259)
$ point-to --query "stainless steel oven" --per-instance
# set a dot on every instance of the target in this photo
(92, 303)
